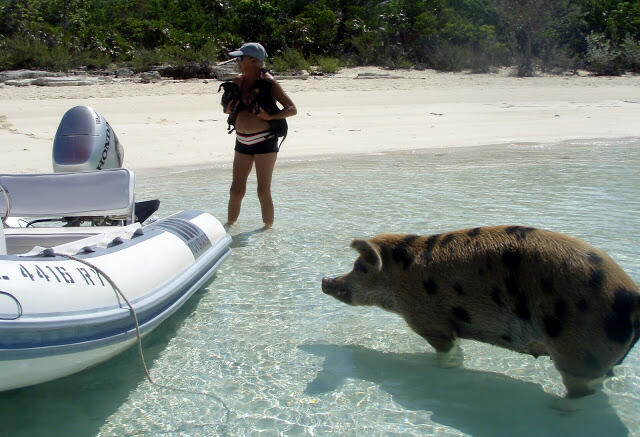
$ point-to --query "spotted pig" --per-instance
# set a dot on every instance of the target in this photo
(529, 290)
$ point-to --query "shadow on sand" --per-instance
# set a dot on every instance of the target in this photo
(79, 404)
(478, 403)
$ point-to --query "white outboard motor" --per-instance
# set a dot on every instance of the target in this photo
(85, 142)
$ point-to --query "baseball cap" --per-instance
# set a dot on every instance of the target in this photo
(253, 49)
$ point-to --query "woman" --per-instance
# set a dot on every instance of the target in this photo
(256, 142)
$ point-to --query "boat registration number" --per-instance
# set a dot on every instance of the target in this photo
(59, 274)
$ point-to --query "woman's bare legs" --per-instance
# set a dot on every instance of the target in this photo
(264, 170)
(242, 164)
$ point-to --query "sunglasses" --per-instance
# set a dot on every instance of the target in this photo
(239, 58)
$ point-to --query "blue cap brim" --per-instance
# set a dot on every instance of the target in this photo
(236, 54)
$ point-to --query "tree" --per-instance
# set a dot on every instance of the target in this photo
(254, 20)
(528, 25)
(321, 23)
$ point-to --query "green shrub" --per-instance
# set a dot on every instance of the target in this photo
(211, 51)
(601, 56)
(369, 48)
(4, 55)
(92, 59)
(557, 59)
(450, 57)
(290, 60)
(630, 52)
(177, 56)
(145, 58)
(60, 59)
(328, 65)
(26, 52)
(20, 52)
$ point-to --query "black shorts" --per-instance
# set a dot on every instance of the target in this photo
(269, 145)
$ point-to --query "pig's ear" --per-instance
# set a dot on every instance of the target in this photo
(370, 252)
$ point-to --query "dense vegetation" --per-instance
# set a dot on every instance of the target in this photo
(600, 35)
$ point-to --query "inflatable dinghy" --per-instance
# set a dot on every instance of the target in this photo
(77, 292)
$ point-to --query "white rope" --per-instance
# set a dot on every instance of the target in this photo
(121, 294)
(51, 252)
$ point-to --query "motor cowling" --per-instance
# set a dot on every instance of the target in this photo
(84, 141)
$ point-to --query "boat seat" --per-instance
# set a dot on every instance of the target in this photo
(105, 193)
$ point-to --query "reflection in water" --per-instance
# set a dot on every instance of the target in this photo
(286, 359)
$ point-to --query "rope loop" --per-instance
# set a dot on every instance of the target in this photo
(15, 299)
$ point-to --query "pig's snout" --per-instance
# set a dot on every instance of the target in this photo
(326, 282)
(336, 289)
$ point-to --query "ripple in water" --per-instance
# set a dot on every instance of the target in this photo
(261, 351)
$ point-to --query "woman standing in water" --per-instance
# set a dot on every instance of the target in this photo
(256, 141)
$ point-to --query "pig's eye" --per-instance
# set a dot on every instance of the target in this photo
(360, 267)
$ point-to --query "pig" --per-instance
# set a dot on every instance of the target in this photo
(529, 290)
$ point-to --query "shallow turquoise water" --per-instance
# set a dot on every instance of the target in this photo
(261, 351)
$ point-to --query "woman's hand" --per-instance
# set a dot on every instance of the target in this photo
(263, 115)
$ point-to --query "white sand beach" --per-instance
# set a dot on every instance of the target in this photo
(180, 123)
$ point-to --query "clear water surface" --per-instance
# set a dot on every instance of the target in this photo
(261, 351)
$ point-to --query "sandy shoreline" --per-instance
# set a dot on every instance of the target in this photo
(169, 124)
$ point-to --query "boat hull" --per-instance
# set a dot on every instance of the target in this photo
(67, 316)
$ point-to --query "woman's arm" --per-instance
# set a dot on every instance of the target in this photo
(288, 107)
